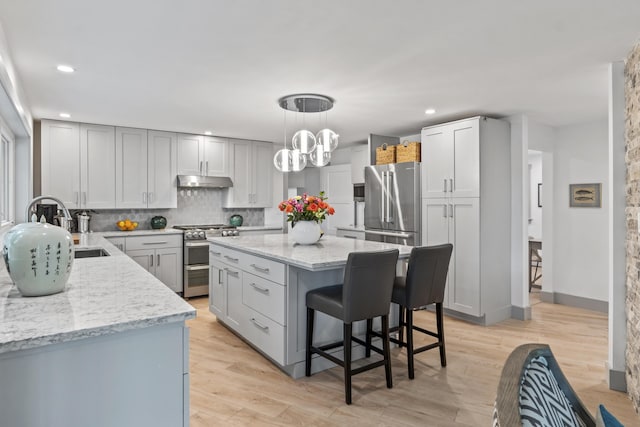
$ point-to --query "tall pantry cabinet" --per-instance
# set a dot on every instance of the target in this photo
(466, 201)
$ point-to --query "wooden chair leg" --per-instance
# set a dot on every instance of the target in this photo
(307, 364)
(367, 350)
(386, 350)
(401, 324)
(409, 327)
(439, 321)
(347, 363)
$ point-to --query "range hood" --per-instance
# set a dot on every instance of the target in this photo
(197, 181)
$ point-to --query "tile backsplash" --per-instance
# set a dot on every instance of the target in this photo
(195, 206)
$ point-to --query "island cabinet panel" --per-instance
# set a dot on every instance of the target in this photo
(264, 296)
(133, 378)
(242, 297)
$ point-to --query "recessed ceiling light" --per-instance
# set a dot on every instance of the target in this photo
(208, 132)
(65, 115)
(65, 68)
(430, 111)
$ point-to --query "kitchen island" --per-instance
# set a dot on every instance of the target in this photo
(258, 287)
(112, 349)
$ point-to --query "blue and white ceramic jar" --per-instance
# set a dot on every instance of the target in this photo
(38, 257)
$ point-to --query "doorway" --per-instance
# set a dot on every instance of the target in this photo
(535, 226)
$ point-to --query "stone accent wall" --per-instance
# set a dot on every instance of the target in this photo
(632, 140)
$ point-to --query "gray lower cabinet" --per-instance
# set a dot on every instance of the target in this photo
(160, 255)
(247, 293)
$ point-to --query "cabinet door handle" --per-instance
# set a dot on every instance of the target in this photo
(144, 198)
(215, 253)
(451, 211)
(263, 269)
(229, 271)
(259, 288)
(445, 185)
(444, 211)
(151, 260)
(206, 167)
(84, 198)
(154, 243)
(158, 263)
(76, 196)
(349, 237)
(219, 277)
(200, 169)
(231, 258)
(451, 184)
(259, 325)
(151, 197)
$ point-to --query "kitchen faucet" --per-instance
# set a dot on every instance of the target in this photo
(67, 215)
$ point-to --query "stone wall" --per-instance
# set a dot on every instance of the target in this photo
(632, 140)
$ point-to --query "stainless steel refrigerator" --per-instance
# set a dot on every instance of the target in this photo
(392, 203)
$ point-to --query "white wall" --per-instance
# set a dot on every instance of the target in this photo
(535, 178)
(580, 240)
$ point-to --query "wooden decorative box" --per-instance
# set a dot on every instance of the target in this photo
(385, 154)
(408, 151)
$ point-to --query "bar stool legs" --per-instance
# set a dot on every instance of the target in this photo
(347, 342)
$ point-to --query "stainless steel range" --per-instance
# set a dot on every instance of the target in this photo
(196, 255)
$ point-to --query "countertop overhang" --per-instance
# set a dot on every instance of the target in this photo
(330, 252)
(104, 295)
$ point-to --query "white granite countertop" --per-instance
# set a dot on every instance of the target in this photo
(330, 251)
(104, 295)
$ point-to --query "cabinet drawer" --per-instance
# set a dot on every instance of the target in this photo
(263, 296)
(265, 268)
(154, 242)
(265, 334)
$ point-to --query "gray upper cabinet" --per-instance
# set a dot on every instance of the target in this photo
(202, 155)
(145, 169)
(78, 164)
(252, 167)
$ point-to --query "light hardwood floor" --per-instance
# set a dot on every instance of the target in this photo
(233, 385)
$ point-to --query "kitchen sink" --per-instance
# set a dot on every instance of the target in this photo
(90, 253)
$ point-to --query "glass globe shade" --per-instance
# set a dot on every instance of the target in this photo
(304, 141)
(319, 157)
(298, 160)
(328, 139)
(283, 161)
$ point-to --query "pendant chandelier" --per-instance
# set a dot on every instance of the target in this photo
(306, 147)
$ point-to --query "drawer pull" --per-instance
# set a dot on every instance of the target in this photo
(231, 258)
(259, 325)
(234, 273)
(259, 288)
(263, 269)
(215, 253)
(154, 243)
(350, 237)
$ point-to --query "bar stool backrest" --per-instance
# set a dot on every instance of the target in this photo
(427, 275)
(368, 283)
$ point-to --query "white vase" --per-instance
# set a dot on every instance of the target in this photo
(306, 232)
(38, 257)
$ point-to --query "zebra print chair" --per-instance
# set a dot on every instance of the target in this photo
(533, 391)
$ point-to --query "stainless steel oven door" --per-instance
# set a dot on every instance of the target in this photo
(196, 280)
(196, 252)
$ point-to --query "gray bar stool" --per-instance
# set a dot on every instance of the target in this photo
(424, 284)
(364, 294)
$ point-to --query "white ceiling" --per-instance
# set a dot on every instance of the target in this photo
(219, 65)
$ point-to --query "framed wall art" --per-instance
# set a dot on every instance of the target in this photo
(585, 195)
